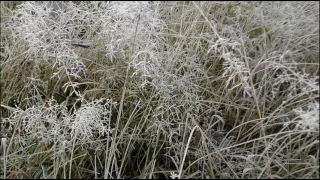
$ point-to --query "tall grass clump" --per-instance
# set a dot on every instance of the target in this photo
(159, 89)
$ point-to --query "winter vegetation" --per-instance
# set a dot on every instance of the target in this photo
(159, 89)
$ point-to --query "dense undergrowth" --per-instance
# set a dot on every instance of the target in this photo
(159, 89)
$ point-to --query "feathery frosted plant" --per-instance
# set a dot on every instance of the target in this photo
(117, 28)
(308, 116)
(132, 31)
(92, 118)
(236, 70)
(48, 33)
(127, 25)
(40, 122)
(50, 120)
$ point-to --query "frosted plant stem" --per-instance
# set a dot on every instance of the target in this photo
(4, 143)
(54, 158)
(64, 160)
(185, 152)
(107, 150)
(74, 141)
(95, 167)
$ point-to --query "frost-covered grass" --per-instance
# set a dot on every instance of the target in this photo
(163, 90)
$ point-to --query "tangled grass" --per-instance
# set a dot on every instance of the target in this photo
(159, 89)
